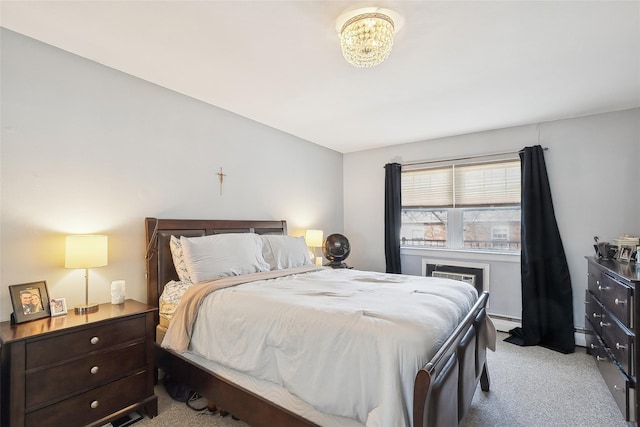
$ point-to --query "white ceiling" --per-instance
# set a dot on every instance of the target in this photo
(456, 66)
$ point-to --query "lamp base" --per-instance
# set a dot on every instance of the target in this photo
(89, 308)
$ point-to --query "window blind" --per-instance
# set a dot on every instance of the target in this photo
(480, 184)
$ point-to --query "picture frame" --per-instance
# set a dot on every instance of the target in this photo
(58, 306)
(30, 301)
(624, 254)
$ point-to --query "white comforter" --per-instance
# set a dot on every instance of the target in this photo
(348, 342)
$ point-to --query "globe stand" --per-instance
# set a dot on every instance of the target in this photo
(336, 264)
(336, 249)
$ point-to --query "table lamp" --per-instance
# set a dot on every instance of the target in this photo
(86, 251)
(314, 240)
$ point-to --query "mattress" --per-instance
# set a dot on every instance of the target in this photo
(346, 342)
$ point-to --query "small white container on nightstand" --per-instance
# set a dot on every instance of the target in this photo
(117, 291)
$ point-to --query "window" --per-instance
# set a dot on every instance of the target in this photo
(462, 206)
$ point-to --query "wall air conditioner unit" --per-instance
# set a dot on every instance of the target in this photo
(469, 278)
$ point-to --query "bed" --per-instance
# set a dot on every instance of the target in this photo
(443, 387)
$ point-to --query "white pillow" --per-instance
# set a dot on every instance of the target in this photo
(178, 260)
(285, 251)
(220, 255)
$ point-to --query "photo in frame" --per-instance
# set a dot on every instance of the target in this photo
(30, 301)
(58, 306)
(625, 253)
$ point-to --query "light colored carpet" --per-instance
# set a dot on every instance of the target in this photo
(530, 386)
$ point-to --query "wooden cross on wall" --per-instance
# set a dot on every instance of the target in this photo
(221, 179)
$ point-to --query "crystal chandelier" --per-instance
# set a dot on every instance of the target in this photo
(367, 39)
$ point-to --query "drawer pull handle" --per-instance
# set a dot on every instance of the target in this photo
(600, 359)
(620, 346)
(593, 346)
(596, 315)
(95, 340)
(94, 370)
(95, 404)
(604, 324)
(603, 288)
(620, 301)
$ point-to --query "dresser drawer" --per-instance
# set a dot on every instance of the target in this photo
(594, 311)
(92, 405)
(619, 384)
(64, 380)
(619, 341)
(79, 343)
(592, 341)
(594, 278)
(616, 296)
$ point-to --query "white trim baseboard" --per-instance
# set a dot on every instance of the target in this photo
(504, 324)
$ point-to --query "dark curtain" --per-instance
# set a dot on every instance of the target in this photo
(392, 216)
(547, 301)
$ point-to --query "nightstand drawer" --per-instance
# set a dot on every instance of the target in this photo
(59, 348)
(92, 405)
(61, 381)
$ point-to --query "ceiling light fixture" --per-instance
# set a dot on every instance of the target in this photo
(366, 35)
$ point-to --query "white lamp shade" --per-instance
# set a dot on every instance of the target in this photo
(86, 251)
(314, 238)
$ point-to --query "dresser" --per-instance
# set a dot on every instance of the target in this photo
(612, 319)
(78, 369)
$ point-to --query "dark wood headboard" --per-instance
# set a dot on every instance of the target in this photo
(160, 269)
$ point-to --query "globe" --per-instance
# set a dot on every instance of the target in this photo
(336, 249)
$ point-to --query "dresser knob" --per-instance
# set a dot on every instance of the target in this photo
(94, 370)
(620, 346)
(605, 324)
(596, 315)
(620, 301)
(618, 388)
(600, 359)
(95, 340)
(593, 346)
(94, 404)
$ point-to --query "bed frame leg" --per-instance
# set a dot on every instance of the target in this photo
(484, 378)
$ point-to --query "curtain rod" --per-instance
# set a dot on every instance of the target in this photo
(426, 162)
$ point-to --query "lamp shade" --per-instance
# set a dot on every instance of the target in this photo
(313, 238)
(86, 251)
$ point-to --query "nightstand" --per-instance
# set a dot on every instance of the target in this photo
(78, 369)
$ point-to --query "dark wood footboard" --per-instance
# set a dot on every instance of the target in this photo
(227, 396)
(444, 387)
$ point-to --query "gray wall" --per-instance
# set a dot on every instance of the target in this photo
(593, 166)
(87, 149)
